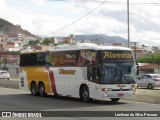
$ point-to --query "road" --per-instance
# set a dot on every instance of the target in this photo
(12, 83)
(19, 100)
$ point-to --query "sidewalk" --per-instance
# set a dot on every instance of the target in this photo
(14, 78)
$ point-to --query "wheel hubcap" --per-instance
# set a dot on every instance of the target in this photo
(33, 90)
(41, 90)
(85, 95)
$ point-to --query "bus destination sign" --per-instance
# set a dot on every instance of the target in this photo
(116, 55)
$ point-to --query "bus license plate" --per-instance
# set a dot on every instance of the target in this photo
(120, 95)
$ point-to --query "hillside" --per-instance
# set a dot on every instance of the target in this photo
(101, 38)
(7, 27)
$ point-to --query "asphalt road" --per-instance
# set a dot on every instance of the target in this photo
(12, 83)
(19, 100)
(12, 99)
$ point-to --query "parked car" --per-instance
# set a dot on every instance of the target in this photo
(4, 74)
(149, 81)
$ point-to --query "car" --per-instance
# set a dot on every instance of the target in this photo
(149, 81)
(4, 74)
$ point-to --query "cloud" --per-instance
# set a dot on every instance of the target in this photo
(38, 2)
(109, 19)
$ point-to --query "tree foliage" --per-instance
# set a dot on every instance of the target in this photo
(1, 61)
(33, 43)
(47, 41)
(153, 58)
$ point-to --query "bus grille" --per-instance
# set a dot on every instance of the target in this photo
(120, 90)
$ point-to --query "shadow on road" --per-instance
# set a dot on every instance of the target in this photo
(93, 102)
(28, 102)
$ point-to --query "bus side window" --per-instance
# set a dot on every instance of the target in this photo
(33, 59)
(85, 56)
(96, 73)
(81, 58)
(40, 59)
(93, 72)
(90, 71)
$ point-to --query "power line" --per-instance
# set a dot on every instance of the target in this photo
(112, 2)
(102, 2)
(77, 19)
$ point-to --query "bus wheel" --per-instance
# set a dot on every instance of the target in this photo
(41, 90)
(34, 89)
(115, 99)
(84, 95)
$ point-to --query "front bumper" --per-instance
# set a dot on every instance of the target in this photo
(118, 94)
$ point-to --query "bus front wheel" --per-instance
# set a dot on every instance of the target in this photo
(115, 99)
(34, 89)
(41, 90)
(84, 94)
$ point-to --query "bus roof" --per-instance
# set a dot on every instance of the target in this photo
(82, 46)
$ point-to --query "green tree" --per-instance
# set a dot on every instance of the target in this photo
(1, 61)
(33, 43)
(47, 41)
(152, 58)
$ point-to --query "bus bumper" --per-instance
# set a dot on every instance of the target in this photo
(118, 94)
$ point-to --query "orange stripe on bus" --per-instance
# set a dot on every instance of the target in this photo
(52, 79)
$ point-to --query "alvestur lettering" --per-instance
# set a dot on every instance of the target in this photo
(110, 55)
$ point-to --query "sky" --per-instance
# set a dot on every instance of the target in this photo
(64, 17)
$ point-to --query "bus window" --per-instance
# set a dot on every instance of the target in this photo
(67, 58)
(85, 56)
(50, 58)
(40, 59)
(33, 59)
(93, 72)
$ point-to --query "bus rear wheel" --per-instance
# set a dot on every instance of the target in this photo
(84, 94)
(115, 99)
(41, 90)
(34, 91)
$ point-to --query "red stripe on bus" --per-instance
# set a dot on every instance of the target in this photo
(52, 79)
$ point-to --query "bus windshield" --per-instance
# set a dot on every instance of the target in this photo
(118, 73)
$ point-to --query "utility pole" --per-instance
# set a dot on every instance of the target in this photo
(135, 49)
(128, 23)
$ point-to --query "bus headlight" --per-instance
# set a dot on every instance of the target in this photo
(133, 88)
(106, 89)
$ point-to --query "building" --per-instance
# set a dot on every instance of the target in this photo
(2, 37)
(42, 47)
(149, 68)
(68, 40)
(14, 36)
(56, 40)
(117, 44)
(138, 52)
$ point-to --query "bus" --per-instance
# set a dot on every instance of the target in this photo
(81, 70)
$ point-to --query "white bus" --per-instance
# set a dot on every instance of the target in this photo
(82, 70)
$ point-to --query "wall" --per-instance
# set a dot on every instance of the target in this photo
(12, 69)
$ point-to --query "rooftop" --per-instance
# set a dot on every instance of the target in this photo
(80, 46)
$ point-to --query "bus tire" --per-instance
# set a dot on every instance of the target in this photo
(115, 99)
(34, 91)
(41, 90)
(84, 94)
